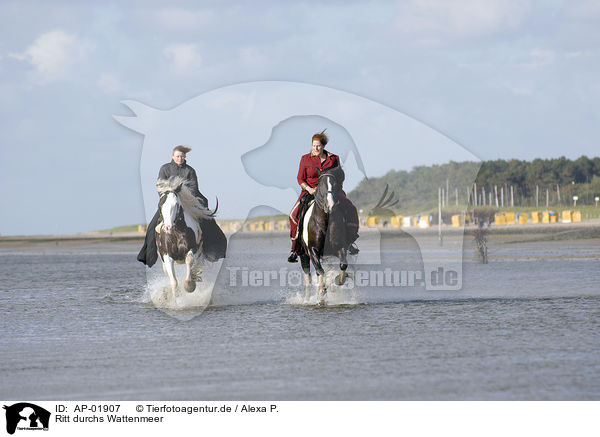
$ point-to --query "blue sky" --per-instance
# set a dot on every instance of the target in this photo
(505, 79)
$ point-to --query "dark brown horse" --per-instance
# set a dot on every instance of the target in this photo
(324, 230)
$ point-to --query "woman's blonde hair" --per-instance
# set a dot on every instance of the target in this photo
(183, 149)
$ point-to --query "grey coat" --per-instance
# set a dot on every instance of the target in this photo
(186, 172)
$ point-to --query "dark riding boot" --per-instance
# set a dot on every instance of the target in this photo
(296, 249)
(148, 253)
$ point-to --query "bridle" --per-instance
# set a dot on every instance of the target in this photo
(328, 190)
(178, 206)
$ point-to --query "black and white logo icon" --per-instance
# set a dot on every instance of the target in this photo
(26, 416)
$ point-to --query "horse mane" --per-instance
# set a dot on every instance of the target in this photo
(321, 192)
(190, 203)
(337, 172)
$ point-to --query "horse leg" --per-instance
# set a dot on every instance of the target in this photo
(169, 266)
(343, 266)
(305, 261)
(322, 289)
(316, 260)
(189, 285)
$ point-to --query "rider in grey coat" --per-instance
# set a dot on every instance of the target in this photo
(215, 242)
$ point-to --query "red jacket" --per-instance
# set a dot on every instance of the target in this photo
(307, 173)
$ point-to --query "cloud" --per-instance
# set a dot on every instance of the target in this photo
(53, 53)
(184, 58)
(435, 22)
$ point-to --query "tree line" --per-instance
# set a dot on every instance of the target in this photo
(513, 182)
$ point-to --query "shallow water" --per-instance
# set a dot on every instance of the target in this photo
(79, 323)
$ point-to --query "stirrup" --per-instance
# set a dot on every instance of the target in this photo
(353, 249)
(293, 258)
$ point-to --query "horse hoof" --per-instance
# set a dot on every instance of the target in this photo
(340, 280)
(189, 286)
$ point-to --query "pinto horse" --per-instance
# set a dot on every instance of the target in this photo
(324, 230)
(178, 234)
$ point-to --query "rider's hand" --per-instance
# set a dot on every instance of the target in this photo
(311, 190)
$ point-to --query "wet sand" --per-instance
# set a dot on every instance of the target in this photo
(588, 230)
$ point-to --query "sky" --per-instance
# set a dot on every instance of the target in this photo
(503, 79)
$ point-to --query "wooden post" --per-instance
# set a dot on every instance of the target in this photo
(475, 196)
(547, 198)
(483, 195)
(502, 196)
(456, 193)
(537, 192)
(558, 192)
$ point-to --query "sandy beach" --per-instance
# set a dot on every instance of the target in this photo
(501, 233)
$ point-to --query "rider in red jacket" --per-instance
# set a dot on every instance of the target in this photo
(308, 178)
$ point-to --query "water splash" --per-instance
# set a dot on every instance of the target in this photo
(158, 292)
(345, 294)
(183, 305)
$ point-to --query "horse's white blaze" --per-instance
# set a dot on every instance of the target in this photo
(305, 224)
(329, 195)
(169, 210)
